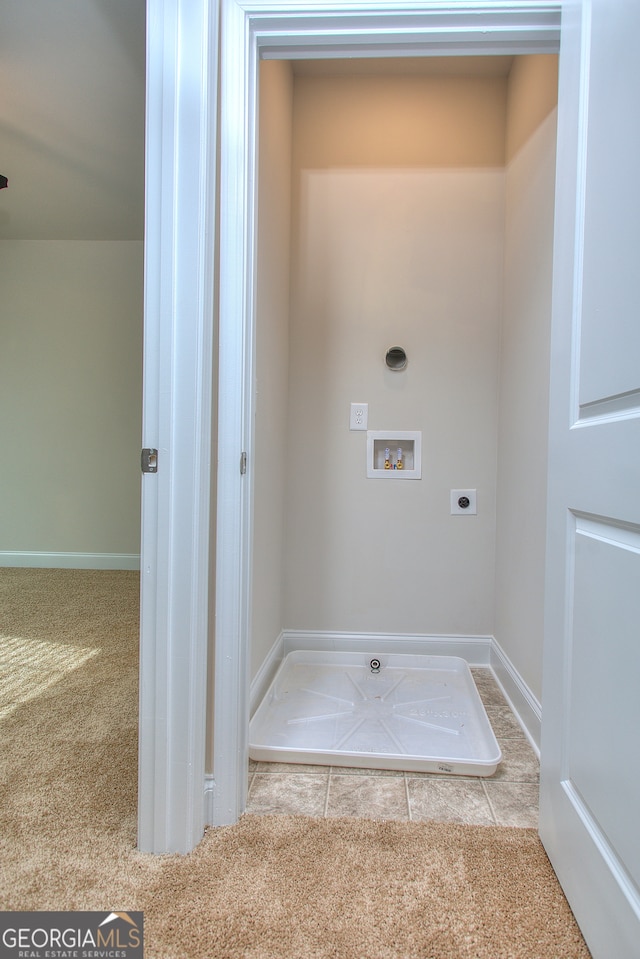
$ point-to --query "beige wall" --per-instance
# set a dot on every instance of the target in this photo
(410, 258)
(272, 354)
(397, 238)
(70, 396)
(532, 94)
(399, 121)
(524, 375)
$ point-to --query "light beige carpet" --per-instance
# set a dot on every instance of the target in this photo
(270, 887)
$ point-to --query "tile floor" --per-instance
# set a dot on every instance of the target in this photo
(508, 798)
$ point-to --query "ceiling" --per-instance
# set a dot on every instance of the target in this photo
(72, 75)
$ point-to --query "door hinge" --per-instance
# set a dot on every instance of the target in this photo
(149, 461)
(243, 463)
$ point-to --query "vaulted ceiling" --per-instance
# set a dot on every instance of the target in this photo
(72, 76)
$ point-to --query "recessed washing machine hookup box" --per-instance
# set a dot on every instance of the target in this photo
(394, 454)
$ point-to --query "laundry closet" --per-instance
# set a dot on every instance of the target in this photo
(403, 203)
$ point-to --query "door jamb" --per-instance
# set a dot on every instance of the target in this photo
(181, 127)
(286, 29)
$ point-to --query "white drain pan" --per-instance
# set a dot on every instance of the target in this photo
(414, 713)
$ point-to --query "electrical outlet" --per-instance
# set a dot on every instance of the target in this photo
(463, 502)
(359, 416)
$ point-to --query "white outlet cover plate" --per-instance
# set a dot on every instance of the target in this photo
(359, 416)
(471, 509)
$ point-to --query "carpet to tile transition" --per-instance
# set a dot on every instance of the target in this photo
(274, 887)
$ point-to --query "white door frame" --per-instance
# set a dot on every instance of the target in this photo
(182, 68)
(254, 29)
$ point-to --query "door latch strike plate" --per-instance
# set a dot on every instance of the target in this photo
(149, 461)
(243, 463)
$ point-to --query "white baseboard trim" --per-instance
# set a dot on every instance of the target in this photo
(524, 704)
(262, 680)
(37, 560)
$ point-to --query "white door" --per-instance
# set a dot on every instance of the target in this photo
(590, 789)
